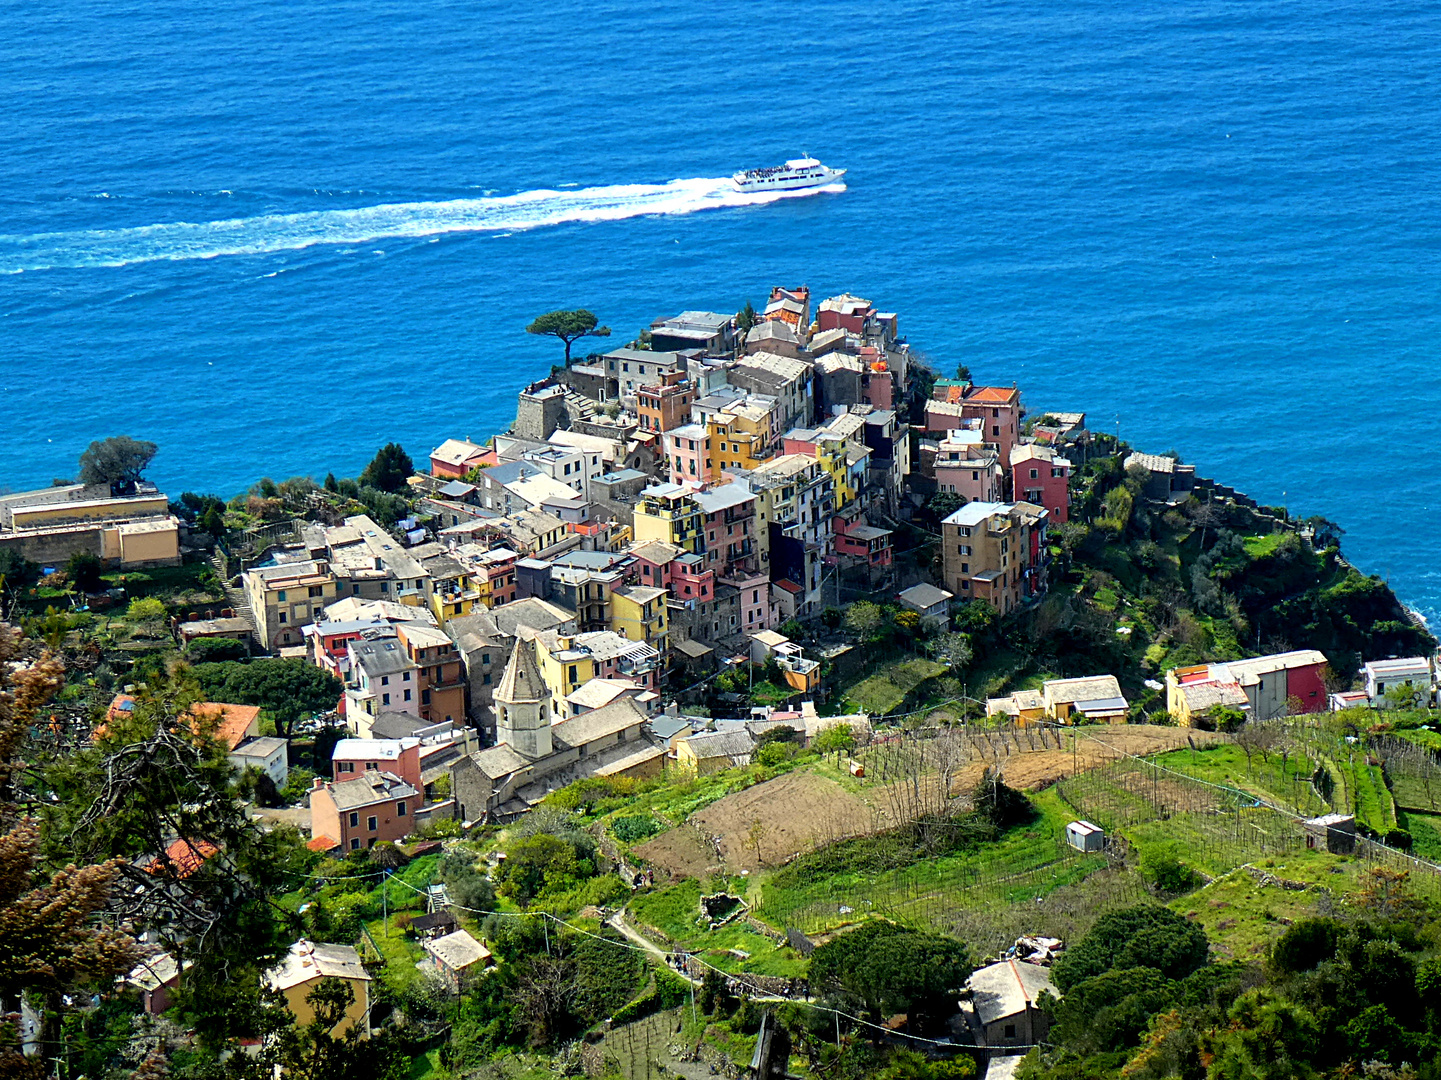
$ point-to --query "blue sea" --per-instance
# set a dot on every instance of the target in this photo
(272, 237)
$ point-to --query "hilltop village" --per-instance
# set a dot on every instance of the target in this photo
(755, 655)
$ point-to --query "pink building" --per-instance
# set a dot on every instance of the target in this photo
(963, 469)
(665, 566)
(686, 451)
(856, 538)
(997, 407)
(1042, 476)
(354, 758)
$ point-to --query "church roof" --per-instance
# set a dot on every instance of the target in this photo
(522, 680)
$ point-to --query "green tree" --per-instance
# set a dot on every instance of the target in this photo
(745, 319)
(1161, 865)
(290, 689)
(118, 461)
(952, 648)
(568, 326)
(466, 885)
(835, 738)
(389, 470)
(890, 968)
(864, 619)
(216, 650)
(1266, 1039)
(999, 803)
(1144, 936)
(145, 608)
(1109, 1011)
(85, 568)
(327, 1048)
(534, 864)
(198, 874)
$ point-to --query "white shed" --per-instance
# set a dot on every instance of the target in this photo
(1083, 836)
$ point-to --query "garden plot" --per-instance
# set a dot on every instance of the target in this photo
(761, 826)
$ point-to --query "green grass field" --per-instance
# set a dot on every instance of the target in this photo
(885, 691)
(1285, 783)
(1026, 862)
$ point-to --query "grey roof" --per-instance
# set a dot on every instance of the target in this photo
(668, 727)
(619, 715)
(723, 497)
(367, 790)
(397, 725)
(1004, 989)
(383, 657)
(692, 648)
(498, 761)
(308, 960)
(925, 595)
(456, 489)
(733, 743)
(457, 951)
(533, 613)
(522, 680)
(1090, 688)
(1155, 463)
(261, 746)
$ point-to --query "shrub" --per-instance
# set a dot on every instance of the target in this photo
(215, 650)
(1162, 867)
(145, 608)
(297, 784)
(1306, 943)
(635, 827)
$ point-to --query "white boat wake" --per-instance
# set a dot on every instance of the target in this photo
(181, 240)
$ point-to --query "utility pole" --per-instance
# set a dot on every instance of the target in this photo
(385, 900)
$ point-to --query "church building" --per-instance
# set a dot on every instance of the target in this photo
(533, 757)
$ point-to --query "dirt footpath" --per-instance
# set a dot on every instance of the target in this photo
(797, 811)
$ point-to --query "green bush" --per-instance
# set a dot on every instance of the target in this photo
(667, 991)
(1163, 868)
(633, 828)
(215, 650)
(145, 608)
(296, 785)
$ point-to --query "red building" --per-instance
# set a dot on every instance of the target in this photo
(359, 813)
(856, 538)
(1042, 476)
(354, 758)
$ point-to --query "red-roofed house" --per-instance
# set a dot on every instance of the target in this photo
(454, 458)
(233, 723)
(182, 858)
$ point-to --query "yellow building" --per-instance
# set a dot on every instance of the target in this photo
(712, 751)
(52, 524)
(638, 613)
(740, 437)
(668, 513)
(563, 666)
(287, 597)
(306, 966)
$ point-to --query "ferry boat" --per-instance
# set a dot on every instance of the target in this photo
(804, 172)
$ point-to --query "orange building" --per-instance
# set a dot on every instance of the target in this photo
(665, 405)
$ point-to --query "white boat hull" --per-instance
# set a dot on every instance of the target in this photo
(745, 183)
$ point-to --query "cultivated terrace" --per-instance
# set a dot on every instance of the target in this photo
(761, 703)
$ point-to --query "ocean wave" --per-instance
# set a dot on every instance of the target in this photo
(177, 241)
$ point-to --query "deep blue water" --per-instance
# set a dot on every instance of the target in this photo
(1214, 224)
